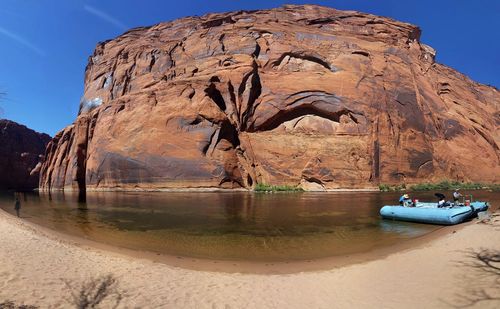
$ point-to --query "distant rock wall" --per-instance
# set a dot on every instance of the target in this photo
(298, 95)
(21, 152)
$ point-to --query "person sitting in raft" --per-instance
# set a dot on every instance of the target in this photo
(456, 196)
(404, 200)
(441, 202)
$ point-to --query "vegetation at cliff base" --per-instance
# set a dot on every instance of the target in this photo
(443, 186)
(447, 185)
(260, 187)
(389, 188)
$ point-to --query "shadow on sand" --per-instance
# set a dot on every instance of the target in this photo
(102, 291)
(482, 275)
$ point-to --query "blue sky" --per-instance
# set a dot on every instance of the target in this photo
(44, 45)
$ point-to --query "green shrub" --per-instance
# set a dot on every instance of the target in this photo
(389, 188)
(444, 185)
(384, 188)
(447, 185)
(260, 187)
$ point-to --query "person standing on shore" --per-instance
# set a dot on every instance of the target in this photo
(17, 206)
(456, 196)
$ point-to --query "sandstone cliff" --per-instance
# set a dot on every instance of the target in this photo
(295, 95)
(21, 150)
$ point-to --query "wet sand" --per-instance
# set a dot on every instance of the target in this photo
(37, 265)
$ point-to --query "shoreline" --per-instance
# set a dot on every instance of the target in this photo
(204, 189)
(227, 190)
(239, 266)
(37, 264)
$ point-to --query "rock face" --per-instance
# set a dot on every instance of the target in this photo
(21, 150)
(299, 95)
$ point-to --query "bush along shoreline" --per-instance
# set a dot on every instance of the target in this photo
(260, 187)
(444, 185)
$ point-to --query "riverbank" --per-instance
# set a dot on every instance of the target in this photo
(211, 189)
(39, 269)
(445, 185)
(420, 187)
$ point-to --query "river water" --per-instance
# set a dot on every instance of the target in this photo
(228, 226)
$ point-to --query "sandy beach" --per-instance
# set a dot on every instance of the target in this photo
(39, 268)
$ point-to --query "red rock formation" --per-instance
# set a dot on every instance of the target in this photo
(21, 150)
(296, 95)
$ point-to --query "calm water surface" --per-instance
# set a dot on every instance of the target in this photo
(229, 226)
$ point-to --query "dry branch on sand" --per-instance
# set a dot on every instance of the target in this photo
(11, 305)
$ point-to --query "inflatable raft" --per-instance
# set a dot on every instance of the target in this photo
(430, 213)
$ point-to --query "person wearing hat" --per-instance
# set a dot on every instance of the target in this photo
(456, 196)
(404, 199)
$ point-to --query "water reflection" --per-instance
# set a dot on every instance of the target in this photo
(82, 197)
(281, 226)
(402, 228)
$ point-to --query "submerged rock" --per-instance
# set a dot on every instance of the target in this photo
(298, 95)
(21, 151)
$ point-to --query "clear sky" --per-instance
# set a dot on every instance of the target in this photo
(44, 44)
